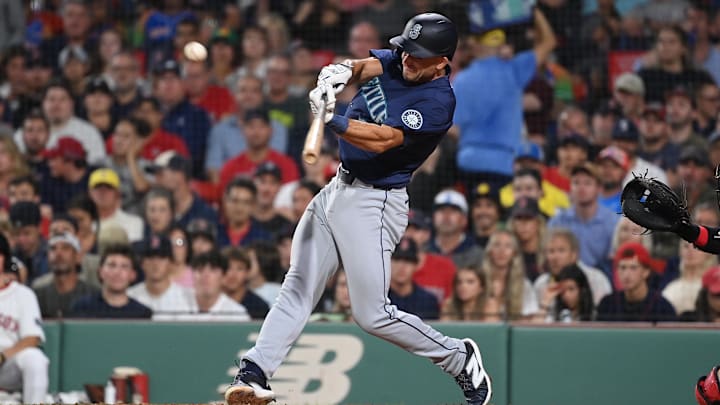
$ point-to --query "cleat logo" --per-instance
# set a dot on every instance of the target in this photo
(473, 370)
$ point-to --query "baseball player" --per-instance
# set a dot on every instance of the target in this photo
(707, 389)
(22, 364)
(401, 112)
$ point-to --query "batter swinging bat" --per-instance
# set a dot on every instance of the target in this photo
(315, 135)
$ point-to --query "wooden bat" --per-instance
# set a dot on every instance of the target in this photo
(315, 136)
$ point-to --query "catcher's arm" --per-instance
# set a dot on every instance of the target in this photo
(703, 237)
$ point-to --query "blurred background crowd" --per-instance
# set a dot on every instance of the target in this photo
(135, 183)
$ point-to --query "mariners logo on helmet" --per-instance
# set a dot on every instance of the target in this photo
(415, 31)
(412, 118)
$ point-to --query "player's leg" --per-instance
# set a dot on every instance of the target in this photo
(313, 260)
(366, 232)
(29, 370)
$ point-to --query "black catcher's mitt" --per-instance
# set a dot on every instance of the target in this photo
(653, 205)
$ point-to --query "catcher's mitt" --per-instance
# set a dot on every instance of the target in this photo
(653, 205)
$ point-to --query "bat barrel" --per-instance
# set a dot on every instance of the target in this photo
(314, 138)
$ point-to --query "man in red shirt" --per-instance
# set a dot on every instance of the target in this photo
(257, 131)
(434, 273)
(159, 141)
(216, 100)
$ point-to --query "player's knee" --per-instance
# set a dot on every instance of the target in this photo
(370, 321)
(32, 359)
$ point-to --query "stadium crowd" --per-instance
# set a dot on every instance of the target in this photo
(135, 183)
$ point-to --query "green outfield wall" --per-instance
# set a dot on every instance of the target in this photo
(339, 363)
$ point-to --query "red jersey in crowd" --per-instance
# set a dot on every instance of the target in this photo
(158, 142)
(217, 101)
(436, 274)
(241, 165)
(553, 175)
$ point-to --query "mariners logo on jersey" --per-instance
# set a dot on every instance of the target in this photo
(374, 96)
(412, 118)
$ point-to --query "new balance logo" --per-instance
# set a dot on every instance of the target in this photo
(474, 371)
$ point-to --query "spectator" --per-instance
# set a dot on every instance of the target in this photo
(257, 131)
(669, 65)
(322, 24)
(467, 302)
(364, 36)
(278, 33)
(159, 140)
(267, 179)
(383, 14)
(124, 73)
(202, 236)
(636, 302)
(35, 137)
(76, 22)
(683, 291)
(58, 107)
(160, 29)
(290, 110)
(592, 223)
(30, 246)
(305, 72)
(181, 271)
(127, 142)
(614, 165)
(510, 294)
(217, 101)
(434, 272)
(562, 250)
(404, 292)
(13, 83)
(707, 306)
(240, 229)
(573, 297)
(68, 174)
(254, 51)
(222, 55)
(707, 102)
(572, 151)
(679, 109)
(159, 292)
(227, 139)
(538, 104)
(451, 237)
(573, 120)
(341, 310)
(704, 52)
(173, 173)
(75, 67)
(186, 31)
(527, 181)
(26, 188)
(117, 272)
(695, 177)
(628, 231)
(110, 43)
(302, 196)
(104, 186)
(489, 127)
(655, 145)
(98, 106)
(38, 73)
(23, 366)
(83, 210)
(12, 32)
(626, 136)
(265, 270)
(318, 173)
(529, 227)
(56, 298)
(12, 164)
(602, 122)
(235, 283)
(181, 117)
(159, 212)
(630, 94)
(485, 214)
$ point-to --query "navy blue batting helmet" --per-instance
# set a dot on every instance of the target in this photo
(427, 35)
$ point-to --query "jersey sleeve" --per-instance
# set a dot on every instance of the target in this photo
(386, 57)
(30, 319)
(422, 117)
(524, 65)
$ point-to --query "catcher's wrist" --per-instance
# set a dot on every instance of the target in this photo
(339, 124)
(689, 232)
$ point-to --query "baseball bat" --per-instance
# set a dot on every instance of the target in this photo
(314, 137)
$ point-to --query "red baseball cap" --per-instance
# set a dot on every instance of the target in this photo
(711, 280)
(67, 147)
(615, 154)
(633, 249)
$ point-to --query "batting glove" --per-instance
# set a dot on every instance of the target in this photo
(316, 96)
(336, 76)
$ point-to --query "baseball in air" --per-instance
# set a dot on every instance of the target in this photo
(195, 51)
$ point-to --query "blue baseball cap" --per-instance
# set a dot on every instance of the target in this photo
(529, 150)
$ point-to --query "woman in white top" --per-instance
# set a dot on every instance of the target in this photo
(683, 291)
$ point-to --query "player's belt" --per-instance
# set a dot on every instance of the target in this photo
(348, 178)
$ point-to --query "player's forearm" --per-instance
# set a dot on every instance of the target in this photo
(704, 238)
(24, 343)
(366, 136)
(364, 70)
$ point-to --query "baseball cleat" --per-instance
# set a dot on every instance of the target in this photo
(473, 379)
(249, 387)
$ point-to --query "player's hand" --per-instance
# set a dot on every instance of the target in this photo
(336, 76)
(316, 96)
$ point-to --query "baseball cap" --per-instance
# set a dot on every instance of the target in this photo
(406, 250)
(66, 237)
(694, 154)
(168, 65)
(224, 35)
(587, 168)
(450, 198)
(268, 167)
(529, 150)
(98, 84)
(617, 155)
(156, 246)
(609, 107)
(631, 83)
(525, 207)
(173, 161)
(25, 213)
(104, 176)
(418, 219)
(634, 249)
(485, 190)
(202, 227)
(68, 148)
(711, 280)
(655, 109)
(679, 91)
(72, 52)
(257, 113)
(575, 140)
(625, 130)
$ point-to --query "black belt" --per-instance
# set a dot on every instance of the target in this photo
(348, 178)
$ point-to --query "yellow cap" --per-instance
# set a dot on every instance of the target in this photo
(104, 176)
(493, 38)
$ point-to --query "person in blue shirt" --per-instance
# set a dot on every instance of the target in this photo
(489, 114)
(404, 293)
(402, 110)
(183, 118)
